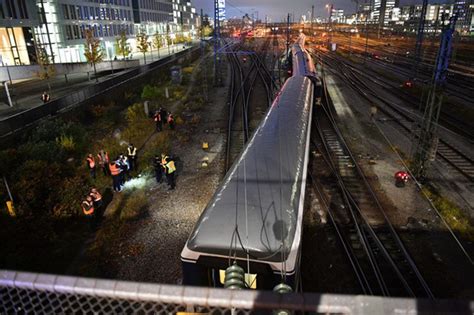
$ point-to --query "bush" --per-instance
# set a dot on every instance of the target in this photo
(151, 93)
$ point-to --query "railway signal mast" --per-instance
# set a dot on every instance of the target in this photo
(427, 140)
(419, 39)
(217, 41)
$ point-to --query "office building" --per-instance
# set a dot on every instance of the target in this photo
(17, 20)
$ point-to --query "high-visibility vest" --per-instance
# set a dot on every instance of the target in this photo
(105, 160)
(114, 169)
(171, 167)
(96, 196)
(170, 119)
(88, 208)
(157, 117)
(132, 151)
(91, 161)
(163, 159)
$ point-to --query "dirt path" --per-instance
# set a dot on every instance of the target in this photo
(148, 248)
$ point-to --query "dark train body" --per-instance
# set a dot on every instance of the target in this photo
(255, 217)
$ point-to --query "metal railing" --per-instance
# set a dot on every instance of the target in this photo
(26, 293)
(28, 117)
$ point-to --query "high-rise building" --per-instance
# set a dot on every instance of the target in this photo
(17, 20)
(221, 4)
(184, 17)
(152, 16)
(61, 31)
(464, 9)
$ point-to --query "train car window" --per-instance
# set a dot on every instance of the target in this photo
(250, 279)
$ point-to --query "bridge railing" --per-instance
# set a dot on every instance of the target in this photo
(27, 293)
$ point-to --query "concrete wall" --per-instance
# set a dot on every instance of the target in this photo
(27, 72)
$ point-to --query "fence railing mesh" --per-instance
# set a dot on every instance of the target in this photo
(31, 293)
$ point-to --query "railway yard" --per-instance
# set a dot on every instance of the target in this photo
(328, 167)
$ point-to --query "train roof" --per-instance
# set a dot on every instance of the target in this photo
(262, 191)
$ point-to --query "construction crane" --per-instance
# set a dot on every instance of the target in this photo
(425, 145)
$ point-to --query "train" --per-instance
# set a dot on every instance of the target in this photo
(255, 217)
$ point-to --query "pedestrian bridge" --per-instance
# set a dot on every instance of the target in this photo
(22, 292)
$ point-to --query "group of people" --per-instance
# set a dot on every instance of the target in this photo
(119, 168)
(92, 205)
(161, 117)
(165, 165)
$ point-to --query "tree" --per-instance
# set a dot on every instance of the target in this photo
(158, 42)
(142, 44)
(92, 50)
(46, 68)
(122, 46)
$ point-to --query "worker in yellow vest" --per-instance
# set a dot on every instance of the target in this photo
(132, 156)
(170, 169)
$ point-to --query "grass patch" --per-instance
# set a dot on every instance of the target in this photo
(454, 216)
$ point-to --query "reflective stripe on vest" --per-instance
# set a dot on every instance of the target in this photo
(171, 167)
(91, 162)
(87, 208)
(114, 169)
(132, 152)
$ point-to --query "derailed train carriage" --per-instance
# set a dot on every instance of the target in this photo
(255, 217)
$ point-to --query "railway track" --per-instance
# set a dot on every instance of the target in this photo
(245, 111)
(447, 152)
(378, 257)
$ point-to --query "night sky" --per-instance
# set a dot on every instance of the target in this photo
(277, 9)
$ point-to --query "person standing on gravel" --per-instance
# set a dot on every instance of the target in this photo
(170, 173)
(158, 169)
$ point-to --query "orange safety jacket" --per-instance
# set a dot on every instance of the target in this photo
(114, 169)
(91, 161)
(106, 160)
(170, 119)
(88, 208)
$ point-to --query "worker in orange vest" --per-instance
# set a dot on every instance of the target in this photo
(158, 120)
(91, 165)
(89, 210)
(171, 121)
(96, 198)
(115, 172)
(103, 159)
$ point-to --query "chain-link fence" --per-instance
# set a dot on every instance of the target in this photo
(31, 293)
(26, 118)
